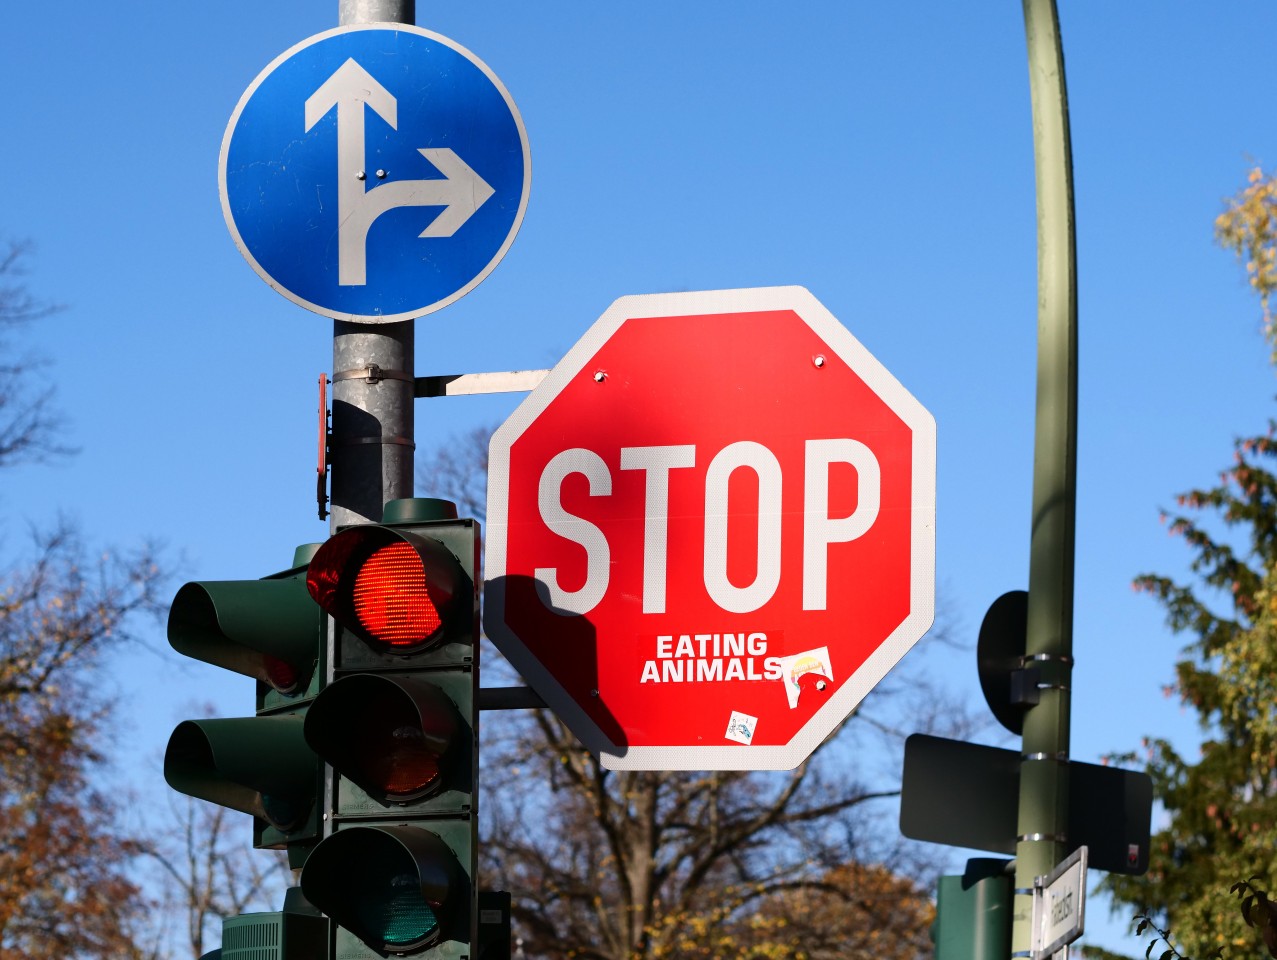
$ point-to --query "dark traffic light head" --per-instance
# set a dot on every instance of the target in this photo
(270, 630)
(265, 629)
(259, 765)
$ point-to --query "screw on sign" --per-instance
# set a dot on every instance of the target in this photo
(711, 530)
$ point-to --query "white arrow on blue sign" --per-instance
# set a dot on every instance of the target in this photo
(375, 173)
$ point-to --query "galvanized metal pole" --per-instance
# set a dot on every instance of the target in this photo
(372, 428)
(377, 11)
(1043, 811)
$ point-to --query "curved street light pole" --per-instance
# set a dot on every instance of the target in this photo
(1043, 811)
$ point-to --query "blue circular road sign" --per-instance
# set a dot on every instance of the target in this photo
(375, 173)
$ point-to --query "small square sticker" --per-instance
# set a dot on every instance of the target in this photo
(741, 728)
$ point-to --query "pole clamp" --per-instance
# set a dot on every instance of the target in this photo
(1061, 757)
(1063, 658)
(1037, 837)
(359, 441)
(1038, 672)
(372, 374)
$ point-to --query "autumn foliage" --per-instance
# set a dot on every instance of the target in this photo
(851, 912)
(1248, 227)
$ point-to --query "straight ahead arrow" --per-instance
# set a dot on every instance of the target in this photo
(460, 192)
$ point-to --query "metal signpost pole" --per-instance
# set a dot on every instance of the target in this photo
(372, 427)
(1043, 807)
(438, 108)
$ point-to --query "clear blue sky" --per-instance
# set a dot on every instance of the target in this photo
(878, 154)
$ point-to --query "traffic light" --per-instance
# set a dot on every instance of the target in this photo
(398, 724)
(270, 630)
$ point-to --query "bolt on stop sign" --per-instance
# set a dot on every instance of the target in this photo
(711, 530)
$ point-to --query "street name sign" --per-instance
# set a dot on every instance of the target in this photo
(968, 795)
(1059, 906)
(711, 530)
(374, 173)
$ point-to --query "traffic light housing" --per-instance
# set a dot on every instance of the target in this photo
(398, 724)
(270, 630)
(973, 912)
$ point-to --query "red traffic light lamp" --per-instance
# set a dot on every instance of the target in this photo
(398, 591)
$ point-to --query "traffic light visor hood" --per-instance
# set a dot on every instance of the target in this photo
(399, 591)
(260, 765)
(264, 629)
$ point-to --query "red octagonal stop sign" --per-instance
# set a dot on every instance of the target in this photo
(711, 530)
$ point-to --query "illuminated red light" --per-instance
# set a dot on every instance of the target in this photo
(391, 599)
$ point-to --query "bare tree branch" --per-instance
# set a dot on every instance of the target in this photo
(211, 872)
(30, 425)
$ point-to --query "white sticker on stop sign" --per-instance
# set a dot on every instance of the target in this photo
(741, 728)
(811, 668)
